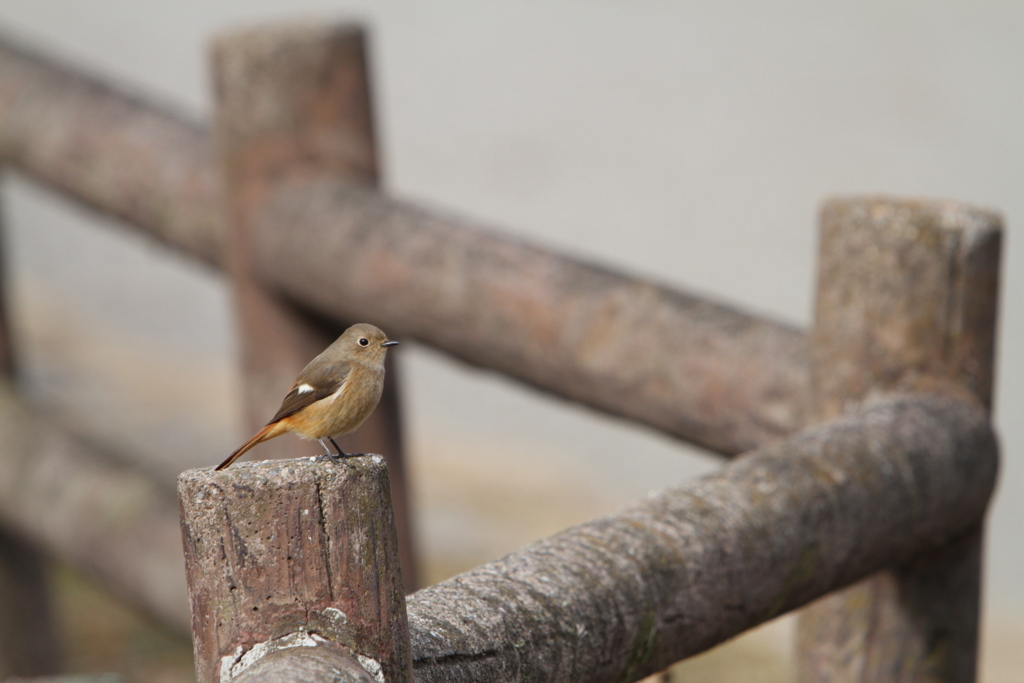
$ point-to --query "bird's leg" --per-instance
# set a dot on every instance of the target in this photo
(342, 453)
(327, 451)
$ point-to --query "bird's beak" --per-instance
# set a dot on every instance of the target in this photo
(389, 342)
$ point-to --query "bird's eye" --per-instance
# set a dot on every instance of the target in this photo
(364, 341)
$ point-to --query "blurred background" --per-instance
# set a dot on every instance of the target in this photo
(689, 143)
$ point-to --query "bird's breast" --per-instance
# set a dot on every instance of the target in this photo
(344, 410)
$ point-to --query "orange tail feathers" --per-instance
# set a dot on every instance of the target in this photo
(269, 432)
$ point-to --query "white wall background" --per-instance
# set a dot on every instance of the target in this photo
(690, 142)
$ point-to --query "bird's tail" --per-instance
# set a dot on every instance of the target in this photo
(269, 432)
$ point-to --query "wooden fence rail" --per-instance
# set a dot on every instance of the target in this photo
(111, 522)
(710, 374)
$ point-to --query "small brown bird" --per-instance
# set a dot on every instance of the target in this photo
(334, 394)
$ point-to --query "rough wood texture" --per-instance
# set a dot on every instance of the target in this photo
(299, 547)
(710, 374)
(624, 596)
(295, 102)
(907, 296)
(108, 521)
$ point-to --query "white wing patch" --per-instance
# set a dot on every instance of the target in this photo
(304, 389)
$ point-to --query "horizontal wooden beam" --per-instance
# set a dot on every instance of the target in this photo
(77, 505)
(107, 148)
(698, 370)
(626, 595)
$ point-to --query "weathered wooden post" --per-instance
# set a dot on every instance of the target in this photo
(294, 103)
(907, 295)
(28, 643)
(293, 571)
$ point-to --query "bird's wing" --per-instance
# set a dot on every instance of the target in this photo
(315, 383)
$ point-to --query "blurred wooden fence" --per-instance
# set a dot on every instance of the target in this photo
(886, 494)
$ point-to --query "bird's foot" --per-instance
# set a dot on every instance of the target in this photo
(340, 456)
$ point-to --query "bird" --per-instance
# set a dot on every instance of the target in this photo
(332, 395)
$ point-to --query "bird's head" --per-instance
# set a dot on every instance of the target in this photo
(366, 342)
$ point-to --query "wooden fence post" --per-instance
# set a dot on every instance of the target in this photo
(294, 102)
(28, 641)
(298, 557)
(907, 295)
